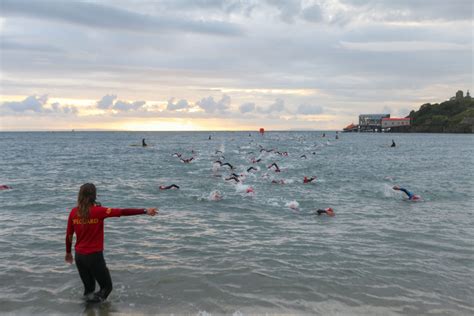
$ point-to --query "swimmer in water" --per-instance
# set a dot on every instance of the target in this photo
(393, 144)
(411, 196)
(306, 180)
(209, 137)
(215, 196)
(328, 211)
(256, 160)
(228, 164)
(236, 179)
(252, 168)
(5, 187)
(279, 181)
(303, 156)
(277, 169)
(173, 186)
(143, 143)
(176, 155)
(187, 160)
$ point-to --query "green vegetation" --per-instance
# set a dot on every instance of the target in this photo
(453, 116)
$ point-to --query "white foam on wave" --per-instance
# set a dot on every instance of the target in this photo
(293, 205)
(388, 191)
(215, 195)
(222, 148)
(244, 189)
(215, 167)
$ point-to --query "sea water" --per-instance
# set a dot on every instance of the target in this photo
(260, 252)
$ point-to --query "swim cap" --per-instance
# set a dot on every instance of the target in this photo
(330, 211)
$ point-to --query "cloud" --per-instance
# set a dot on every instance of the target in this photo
(106, 102)
(276, 107)
(110, 102)
(65, 109)
(210, 105)
(404, 46)
(32, 103)
(36, 104)
(91, 14)
(313, 14)
(15, 45)
(305, 109)
(181, 104)
(128, 106)
(415, 10)
(227, 6)
(288, 9)
(247, 107)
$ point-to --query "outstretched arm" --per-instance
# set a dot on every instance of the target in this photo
(117, 212)
(408, 193)
(138, 211)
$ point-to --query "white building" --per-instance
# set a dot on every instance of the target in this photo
(394, 122)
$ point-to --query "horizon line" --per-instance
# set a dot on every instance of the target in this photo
(137, 131)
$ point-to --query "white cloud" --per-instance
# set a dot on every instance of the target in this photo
(210, 105)
(36, 105)
(102, 16)
(181, 104)
(30, 104)
(276, 107)
(404, 46)
(128, 106)
(313, 14)
(247, 107)
(106, 102)
(306, 109)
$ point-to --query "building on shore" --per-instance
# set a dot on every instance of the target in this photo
(460, 96)
(371, 122)
(377, 123)
(388, 123)
(351, 128)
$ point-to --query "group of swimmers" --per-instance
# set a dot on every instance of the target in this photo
(236, 178)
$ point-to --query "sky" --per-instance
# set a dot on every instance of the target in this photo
(152, 65)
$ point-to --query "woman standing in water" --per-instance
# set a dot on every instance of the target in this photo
(86, 220)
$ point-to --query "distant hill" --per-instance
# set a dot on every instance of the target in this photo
(453, 116)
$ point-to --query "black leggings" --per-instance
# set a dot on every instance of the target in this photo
(91, 268)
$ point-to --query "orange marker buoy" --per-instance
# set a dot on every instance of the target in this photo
(262, 130)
